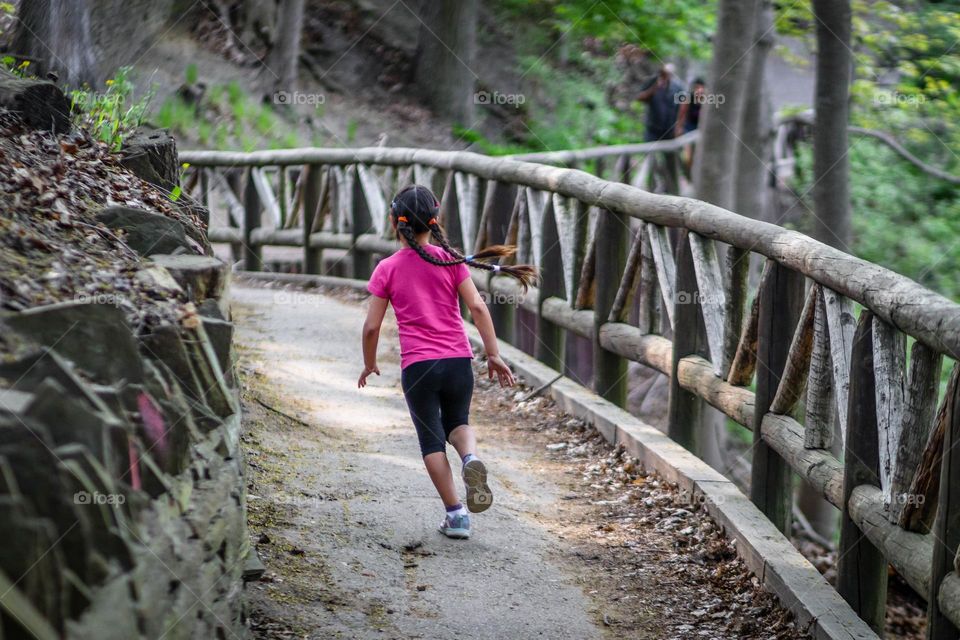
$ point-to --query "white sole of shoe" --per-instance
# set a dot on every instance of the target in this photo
(479, 495)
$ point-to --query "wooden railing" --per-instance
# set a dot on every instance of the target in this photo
(825, 335)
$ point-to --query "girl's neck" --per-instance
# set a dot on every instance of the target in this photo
(422, 239)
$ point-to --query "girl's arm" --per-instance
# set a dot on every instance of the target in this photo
(484, 323)
(371, 336)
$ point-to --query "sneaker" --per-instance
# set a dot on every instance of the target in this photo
(479, 496)
(456, 526)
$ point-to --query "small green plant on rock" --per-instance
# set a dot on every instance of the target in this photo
(109, 115)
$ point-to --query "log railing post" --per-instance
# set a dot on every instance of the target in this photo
(360, 223)
(312, 177)
(861, 567)
(612, 243)
(550, 337)
(232, 180)
(205, 186)
(252, 208)
(781, 302)
(946, 528)
(498, 205)
(685, 408)
(578, 351)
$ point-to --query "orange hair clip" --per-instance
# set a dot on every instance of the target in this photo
(401, 218)
(432, 222)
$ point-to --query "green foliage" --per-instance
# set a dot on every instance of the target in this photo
(110, 114)
(229, 119)
(572, 110)
(907, 70)
(10, 64)
(903, 219)
(568, 109)
(668, 28)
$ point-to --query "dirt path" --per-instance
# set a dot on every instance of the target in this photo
(580, 543)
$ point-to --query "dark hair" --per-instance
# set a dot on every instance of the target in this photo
(415, 210)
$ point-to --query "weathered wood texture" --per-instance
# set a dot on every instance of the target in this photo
(896, 299)
(861, 566)
(946, 529)
(685, 409)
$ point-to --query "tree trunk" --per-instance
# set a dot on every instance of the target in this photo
(722, 115)
(831, 167)
(56, 35)
(754, 154)
(445, 55)
(719, 148)
(285, 54)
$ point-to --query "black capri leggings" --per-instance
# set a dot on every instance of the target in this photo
(438, 394)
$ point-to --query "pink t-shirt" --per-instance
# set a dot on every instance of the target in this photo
(424, 298)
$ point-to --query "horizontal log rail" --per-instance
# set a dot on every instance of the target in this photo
(646, 278)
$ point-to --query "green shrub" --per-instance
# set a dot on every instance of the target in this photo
(110, 114)
(903, 218)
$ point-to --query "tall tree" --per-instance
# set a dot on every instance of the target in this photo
(446, 51)
(751, 189)
(722, 117)
(718, 151)
(285, 55)
(55, 34)
(831, 166)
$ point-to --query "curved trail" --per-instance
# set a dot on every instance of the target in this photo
(356, 512)
(580, 543)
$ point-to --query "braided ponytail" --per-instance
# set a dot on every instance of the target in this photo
(415, 210)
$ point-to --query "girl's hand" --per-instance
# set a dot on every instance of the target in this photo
(495, 365)
(362, 382)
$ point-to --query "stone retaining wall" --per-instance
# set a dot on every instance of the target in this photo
(122, 500)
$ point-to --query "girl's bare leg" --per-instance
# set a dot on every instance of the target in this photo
(439, 470)
(464, 440)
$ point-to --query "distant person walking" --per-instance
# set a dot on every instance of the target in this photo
(663, 95)
(423, 281)
(688, 117)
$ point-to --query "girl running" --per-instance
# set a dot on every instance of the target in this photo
(422, 281)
